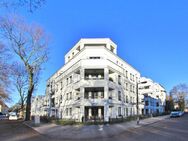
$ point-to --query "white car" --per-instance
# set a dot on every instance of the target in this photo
(13, 117)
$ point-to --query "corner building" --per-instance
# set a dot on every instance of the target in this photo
(94, 84)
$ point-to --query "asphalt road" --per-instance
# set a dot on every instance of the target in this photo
(174, 129)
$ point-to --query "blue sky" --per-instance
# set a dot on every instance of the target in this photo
(152, 36)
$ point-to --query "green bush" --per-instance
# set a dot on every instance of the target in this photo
(65, 122)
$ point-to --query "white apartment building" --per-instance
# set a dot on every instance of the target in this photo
(152, 96)
(94, 83)
(39, 106)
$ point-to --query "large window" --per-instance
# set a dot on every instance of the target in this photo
(119, 111)
(119, 95)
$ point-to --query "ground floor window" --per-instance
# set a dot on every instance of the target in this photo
(127, 110)
(119, 111)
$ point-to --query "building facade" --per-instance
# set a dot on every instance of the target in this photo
(94, 84)
(39, 106)
(3, 108)
(152, 96)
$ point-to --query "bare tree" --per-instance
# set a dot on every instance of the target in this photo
(180, 94)
(4, 75)
(31, 5)
(29, 43)
(20, 79)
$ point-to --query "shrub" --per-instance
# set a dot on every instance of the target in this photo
(65, 122)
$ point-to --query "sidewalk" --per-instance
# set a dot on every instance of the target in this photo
(91, 131)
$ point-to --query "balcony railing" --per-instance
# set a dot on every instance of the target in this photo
(94, 78)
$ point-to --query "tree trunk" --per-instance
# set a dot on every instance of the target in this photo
(28, 103)
(29, 95)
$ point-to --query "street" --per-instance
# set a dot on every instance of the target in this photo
(174, 129)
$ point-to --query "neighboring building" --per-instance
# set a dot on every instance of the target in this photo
(39, 106)
(93, 84)
(186, 105)
(152, 96)
(4, 108)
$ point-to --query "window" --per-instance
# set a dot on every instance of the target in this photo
(70, 111)
(157, 104)
(70, 79)
(70, 97)
(67, 96)
(72, 54)
(57, 88)
(143, 82)
(94, 57)
(78, 48)
(102, 94)
(146, 87)
(61, 85)
(127, 111)
(130, 88)
(111, 48)
(95, 95)
(68, 58)
(119, 95)
(133, 78)
(131, 99)
(119, 111)
(126, 74)
(61, 98)
(67, 113)
(127, 101)
(126, 86)
(130, 76)
(67, 81)
(94, 45)
(133, 88)
(146, 103)
(119, 79)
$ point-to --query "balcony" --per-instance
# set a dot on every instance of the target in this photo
(94, 93)
(94, 74)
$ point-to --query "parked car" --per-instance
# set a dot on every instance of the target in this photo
(181, 113)
(2, 116)
(13, 116)
(176, 114)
